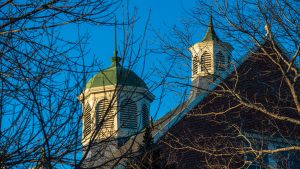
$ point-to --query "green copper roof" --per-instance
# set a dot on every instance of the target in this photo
(116, 75)
(210, 33)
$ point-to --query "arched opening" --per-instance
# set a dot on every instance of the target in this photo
(220, 61)
(195, 65)
(206, 62)
(104, 116)
(128, 114)
(87, 120)
(145, 115)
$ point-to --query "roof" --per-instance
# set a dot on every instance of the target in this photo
(164, 124)
(173, 117)
(210, 33)
(116, 74)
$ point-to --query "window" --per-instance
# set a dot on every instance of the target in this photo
(128, 114)
(87, 120)
(228, 61)
(145, 115)
(220, 61)
(195, 65)
(104, 117)
(205, 62)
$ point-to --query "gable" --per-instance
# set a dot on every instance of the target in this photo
(220, 127)
(257, 75)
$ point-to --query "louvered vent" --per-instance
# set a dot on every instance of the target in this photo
(145, 115)
(88, 108)
(104, 115)
(228, 61)
(87, 120)
(206, 62)
(220, 61)
(128, 114)
(195, 65)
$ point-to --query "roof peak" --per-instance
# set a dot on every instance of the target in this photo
(210, 33)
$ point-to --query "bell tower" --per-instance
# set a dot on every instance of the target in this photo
(116, 105)
(210, 59)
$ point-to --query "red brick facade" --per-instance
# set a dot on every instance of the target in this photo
(218, 140)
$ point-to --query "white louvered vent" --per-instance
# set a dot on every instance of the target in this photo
(195, 65)
(220, 61)
(145, 115)
(87, 120)
(206, 62)
(128, 114)
(88, 108)
(104, 115)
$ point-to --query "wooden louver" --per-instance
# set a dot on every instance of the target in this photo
(195, 65)
(128, 114)
(145, 115)
(220, 61)
(206, 62)
(104, 115)
(87, 120)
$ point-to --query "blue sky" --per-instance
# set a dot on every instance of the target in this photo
(164, 15)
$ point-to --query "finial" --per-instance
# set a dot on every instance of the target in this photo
(210, 17)
(210, 33)
(115, 43)
(115, 59)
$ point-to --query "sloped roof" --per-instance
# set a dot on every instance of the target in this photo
(173, 117)
(210, 34)
(116, 74)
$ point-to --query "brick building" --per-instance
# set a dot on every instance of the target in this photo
(240, 114)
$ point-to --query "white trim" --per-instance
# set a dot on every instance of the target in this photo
(104, 89)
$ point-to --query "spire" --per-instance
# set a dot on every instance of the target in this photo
(115, 59)
(210, 33)
(115, 40)
(210, 17)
